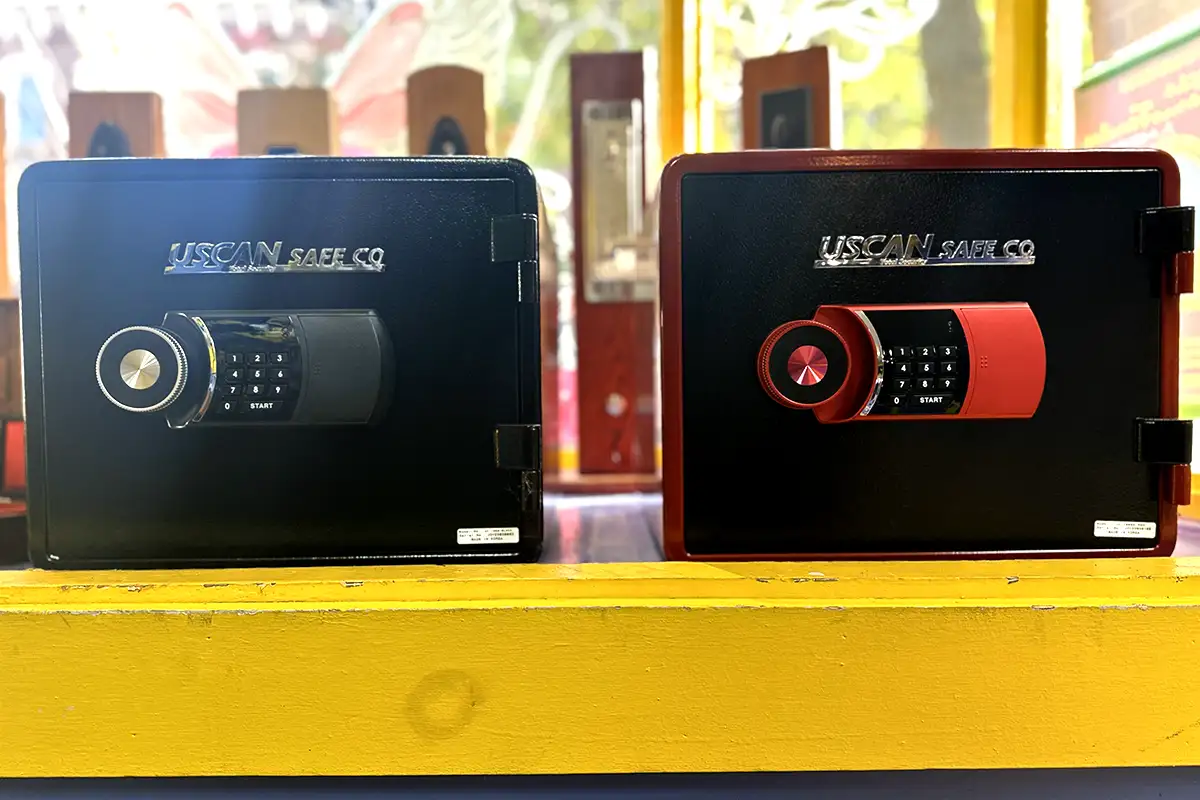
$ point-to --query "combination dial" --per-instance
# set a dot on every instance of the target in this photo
(142, 369)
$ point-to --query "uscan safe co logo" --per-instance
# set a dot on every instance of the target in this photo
(249, 256)
(921, 250)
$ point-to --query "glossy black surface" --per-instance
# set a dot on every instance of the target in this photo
(759, 478)
(917, 347)
(112, 488)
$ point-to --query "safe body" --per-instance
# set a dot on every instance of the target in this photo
(1027, 288)
(281, 360)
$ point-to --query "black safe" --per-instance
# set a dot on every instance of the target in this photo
(281, 361)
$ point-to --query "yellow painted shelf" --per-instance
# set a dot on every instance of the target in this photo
(600, 668)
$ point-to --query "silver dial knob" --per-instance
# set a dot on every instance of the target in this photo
(141, 369)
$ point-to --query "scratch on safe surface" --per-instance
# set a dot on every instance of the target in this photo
(1042, 608)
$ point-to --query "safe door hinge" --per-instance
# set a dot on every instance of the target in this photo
(1167, 443)
(1170, 234)
(518, 447)
(515, 241)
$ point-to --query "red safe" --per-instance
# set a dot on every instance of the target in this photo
(1031, 297)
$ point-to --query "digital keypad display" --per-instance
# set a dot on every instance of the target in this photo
(925, 361)
(254, 384)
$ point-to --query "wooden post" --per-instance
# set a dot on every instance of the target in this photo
(789, 100)
(548, 307)
(115, 124)
(446, 112)
(281, 121)
(615, 283)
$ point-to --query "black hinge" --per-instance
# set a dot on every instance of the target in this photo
(518, 447)
(1170, 234)
(1163, 441)
(515, 240)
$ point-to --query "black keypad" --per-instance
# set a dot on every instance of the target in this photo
(257, 359)
(230, 390)
(257, 373)
(279, 374)
(233, 358)
(278, 358)
(256, 390)
(235, 375)
(926, 384)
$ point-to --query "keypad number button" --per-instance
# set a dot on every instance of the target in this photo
(226, 406)
(278, 358)
(901, 352)
(904, 368)
(234, 375)
(895, 401)
(949, 368)
(256, 390)
(233, 358)
(279, 374)
(947, 351)
(925, 367)
(926, 384)
(277, 390)
(901, 385)
(258, 374)
(231, 390)
(946, 384)
(258, 359)
(926, 352)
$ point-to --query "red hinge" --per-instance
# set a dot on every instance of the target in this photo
(1182, 273)
(1177, 484)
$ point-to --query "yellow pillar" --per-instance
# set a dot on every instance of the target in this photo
(671, 79)
(1019, 74)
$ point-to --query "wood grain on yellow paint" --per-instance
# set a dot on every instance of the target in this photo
(600, 668)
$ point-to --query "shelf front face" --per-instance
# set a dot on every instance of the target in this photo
(546, 669)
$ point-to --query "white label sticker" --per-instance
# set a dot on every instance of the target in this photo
(1121, 529)
(489, 535)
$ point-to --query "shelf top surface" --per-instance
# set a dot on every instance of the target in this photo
(1087, 582)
